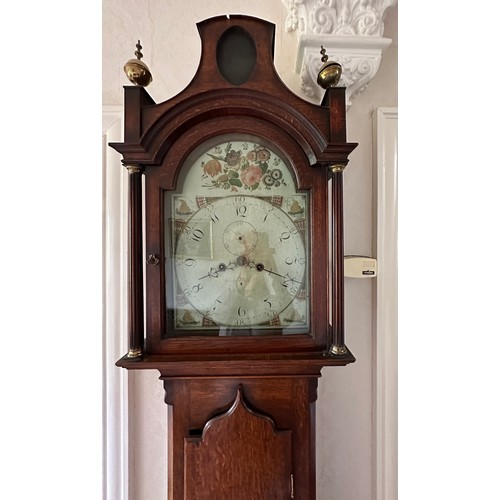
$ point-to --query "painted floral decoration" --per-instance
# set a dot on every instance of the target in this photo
(246, 168)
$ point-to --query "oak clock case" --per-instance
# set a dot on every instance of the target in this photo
(234, 234)
(236, 264)
(237, 232)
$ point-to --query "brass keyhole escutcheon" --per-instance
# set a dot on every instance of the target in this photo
(152, 259)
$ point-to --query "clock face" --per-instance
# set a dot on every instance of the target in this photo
(239, 245)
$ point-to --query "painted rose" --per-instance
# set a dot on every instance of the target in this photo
(212, 167)
(251, 175)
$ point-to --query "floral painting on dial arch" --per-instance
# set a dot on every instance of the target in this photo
(243, 166)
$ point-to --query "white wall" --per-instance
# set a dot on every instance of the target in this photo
(171, 49)
(344, 408)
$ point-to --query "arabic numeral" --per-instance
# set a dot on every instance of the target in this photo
(288, 281)
(197, 235)
(297, 260)
(268, 212)
(285, 235)
(197, 288)
(241, 320)
(241, 211)
(214, 218)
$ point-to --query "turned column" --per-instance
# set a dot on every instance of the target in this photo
(135, 273)
(338, 340)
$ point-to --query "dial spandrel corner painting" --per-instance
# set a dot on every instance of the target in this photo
(237, 231)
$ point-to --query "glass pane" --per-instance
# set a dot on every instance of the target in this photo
(237, 231)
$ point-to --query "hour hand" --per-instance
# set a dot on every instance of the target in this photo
(215, 271)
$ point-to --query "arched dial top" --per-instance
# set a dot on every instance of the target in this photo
(239, 240)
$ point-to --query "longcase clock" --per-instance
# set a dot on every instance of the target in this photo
(236, 276)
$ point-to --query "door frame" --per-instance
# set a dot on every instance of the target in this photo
(115, 386)
(385, 363)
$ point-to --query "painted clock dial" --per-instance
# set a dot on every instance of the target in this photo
(239, 242)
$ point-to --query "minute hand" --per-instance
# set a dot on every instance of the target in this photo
(260, 267)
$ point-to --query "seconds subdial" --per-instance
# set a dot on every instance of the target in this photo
(240, 238)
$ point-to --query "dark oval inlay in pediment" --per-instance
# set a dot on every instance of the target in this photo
(236, 55)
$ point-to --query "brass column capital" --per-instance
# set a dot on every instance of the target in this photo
(337, 168)
(134, 169)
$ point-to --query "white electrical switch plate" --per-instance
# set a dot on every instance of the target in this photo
(357, 266)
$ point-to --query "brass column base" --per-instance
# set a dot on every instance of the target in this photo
(337, 350)
(134, 353)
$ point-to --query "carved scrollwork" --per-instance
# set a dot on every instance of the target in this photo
(323, 17)
(357, 71)
(337, 17)
(292, 22)
(351, 30)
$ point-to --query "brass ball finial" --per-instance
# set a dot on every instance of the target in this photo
(324, 57)
(138, 52)
(137, 71)
(330, 73)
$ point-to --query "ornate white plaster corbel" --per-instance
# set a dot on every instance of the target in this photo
(351, 32)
